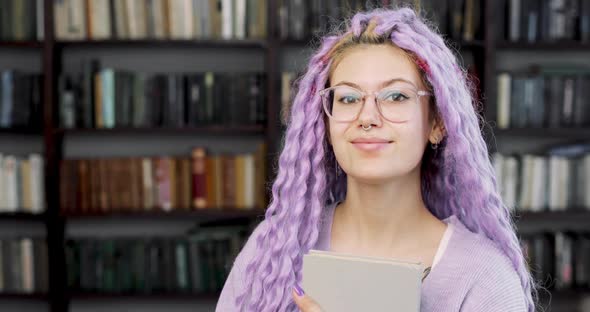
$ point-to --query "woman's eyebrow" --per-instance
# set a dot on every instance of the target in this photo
(381, 85)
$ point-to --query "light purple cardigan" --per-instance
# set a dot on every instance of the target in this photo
(472, 275)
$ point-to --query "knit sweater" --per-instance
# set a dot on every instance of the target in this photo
(469, 274)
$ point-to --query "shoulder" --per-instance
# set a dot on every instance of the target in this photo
(492, 279)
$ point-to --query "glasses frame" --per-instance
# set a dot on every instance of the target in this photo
(365, 94)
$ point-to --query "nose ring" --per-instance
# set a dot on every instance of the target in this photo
(367, 128)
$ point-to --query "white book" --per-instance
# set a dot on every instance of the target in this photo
(76, 19)
(503, 102)
(132, 18)
(204, 18)
(240, 19)
(188, 31)
(525, 185)
(227, 19)
(564, 183)
(554, 167)
(100, 23)
(347, 283)
(157, 11)
(511, 172)
(60, 16)
(197, 7)
(498, 163)
(514, 31)
(538, 184)
(27, 265)
(120, 17)
(10, 183)
(176, 19)
(37, 183)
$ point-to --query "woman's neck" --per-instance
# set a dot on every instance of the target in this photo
(382, 218)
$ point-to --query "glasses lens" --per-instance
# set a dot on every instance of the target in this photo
(397, 103)
(343, 103)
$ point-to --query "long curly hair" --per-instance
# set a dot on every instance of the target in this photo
(458, 179)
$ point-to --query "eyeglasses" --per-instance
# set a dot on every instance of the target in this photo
(395, 103)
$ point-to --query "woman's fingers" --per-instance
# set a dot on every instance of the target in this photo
(304, 302)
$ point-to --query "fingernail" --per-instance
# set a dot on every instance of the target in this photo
(298, 290)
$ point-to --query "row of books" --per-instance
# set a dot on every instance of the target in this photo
(160, 19)
(551, 20)
(195, 264)
(543, 98)
(301, 19)
(21, 20)
(23, 265)
(20, 99)
(544, 182)
(559, 260)
(109, 98)
(98, 186)
(21, 184)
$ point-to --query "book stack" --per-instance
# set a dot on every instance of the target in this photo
(23, 265)
(195, 263)
(545, 98)
(547, 21)
(22, 184)
(553, 182)
(559, 260)
(21, 20)
(109, 98)
(160, 19)
(219, 181)
(300, 19)
(20, 99)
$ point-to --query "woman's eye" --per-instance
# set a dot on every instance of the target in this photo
(348, 99)
(394, 97)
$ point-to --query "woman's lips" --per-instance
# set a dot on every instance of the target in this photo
(370, 146)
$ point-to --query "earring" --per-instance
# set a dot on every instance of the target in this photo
(434, 145)
(338, 170)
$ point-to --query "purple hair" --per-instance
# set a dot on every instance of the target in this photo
(458, 179)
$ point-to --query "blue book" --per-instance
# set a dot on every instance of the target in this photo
(107, 77)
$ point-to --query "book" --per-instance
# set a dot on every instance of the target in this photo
(341, 282)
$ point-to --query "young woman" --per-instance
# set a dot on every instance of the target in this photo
(383, 156)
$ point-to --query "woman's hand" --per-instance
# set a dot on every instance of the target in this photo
(304, 302)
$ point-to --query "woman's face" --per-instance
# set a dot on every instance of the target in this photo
(368, 68)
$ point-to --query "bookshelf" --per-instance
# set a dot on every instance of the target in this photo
(274, 50)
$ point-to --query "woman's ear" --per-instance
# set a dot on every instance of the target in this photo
(438, 131)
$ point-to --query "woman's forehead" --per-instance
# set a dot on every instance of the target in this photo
(369, 66)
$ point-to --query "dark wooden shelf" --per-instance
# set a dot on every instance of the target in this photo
(225, 213)
(559, 46)
(569, 214)
(167, 43)
(23, 296)
(21, 130)
(211, 129)
(21, 44)
(574, 219)
(474, 44)
(144, 296)
(570, 133)
(22, 216)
